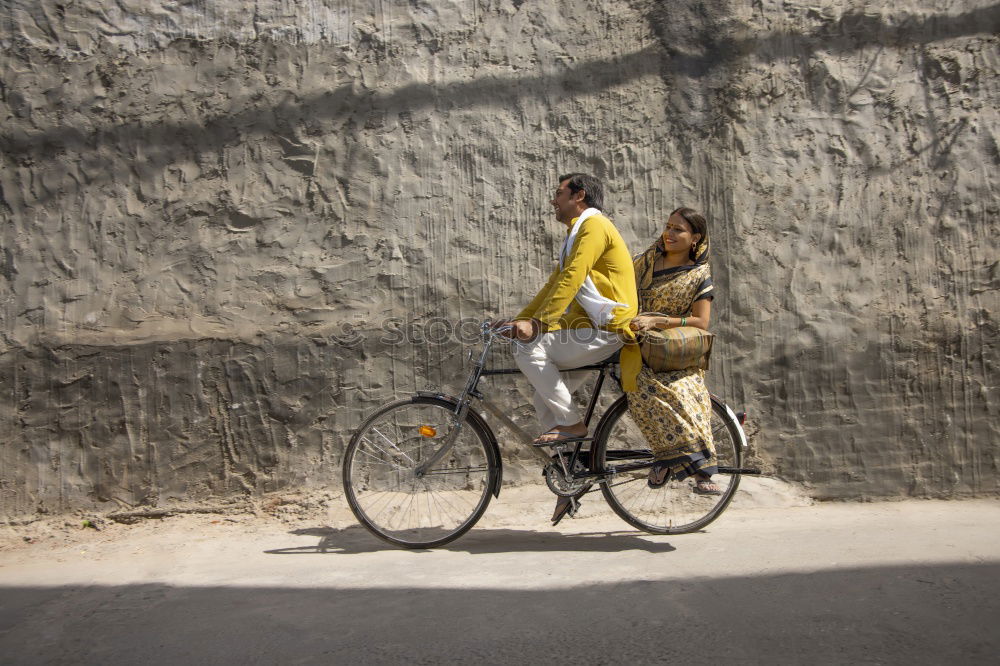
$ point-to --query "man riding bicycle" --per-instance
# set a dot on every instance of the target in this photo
(581, 315)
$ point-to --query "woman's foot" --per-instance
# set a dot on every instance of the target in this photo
(560, 433)
(659, 474)
(705, 486)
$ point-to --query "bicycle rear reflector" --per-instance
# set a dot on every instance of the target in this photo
(741, 417)
(427, 431)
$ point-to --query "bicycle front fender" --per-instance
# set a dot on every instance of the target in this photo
(474, 417)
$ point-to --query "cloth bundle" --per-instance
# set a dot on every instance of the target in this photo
(675, 348)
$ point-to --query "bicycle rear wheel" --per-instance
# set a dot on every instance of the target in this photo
(391, 500)
(673, 508)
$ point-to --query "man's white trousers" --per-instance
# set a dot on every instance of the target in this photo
(545, 360)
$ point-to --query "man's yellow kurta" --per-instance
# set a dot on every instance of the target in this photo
(600, 252)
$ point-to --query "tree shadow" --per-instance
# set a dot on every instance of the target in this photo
(479, 541)
(667, 57)
(852, 31)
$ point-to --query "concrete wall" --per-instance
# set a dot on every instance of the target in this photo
(211, 210)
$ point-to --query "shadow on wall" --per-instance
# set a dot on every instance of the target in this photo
(136, 424)
(907, 615)
(671, 56)
(852, 31)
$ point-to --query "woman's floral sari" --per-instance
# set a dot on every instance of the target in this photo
(673, 409)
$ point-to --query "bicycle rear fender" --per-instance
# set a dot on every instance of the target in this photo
(735, 421)
(475, 417)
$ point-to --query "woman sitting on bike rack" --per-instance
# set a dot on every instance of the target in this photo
(673, 409)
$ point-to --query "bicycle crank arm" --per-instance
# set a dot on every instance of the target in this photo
(739, 470)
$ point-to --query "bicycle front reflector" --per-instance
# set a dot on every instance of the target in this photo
(428, 431)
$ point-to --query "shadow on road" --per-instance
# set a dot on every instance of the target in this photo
(354, 539)
(908, 614)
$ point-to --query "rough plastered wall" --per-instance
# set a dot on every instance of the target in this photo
(228, 227)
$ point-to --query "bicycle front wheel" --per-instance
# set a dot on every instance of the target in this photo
(673, 508)
(388, 494)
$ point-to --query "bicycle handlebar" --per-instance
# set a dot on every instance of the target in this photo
(492, 332)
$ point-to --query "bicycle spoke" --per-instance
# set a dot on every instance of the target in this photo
(392, 444)
(673, 507)
(396, 504)
(376, 446)
(445, 507)
(378, 460)
(387, 496)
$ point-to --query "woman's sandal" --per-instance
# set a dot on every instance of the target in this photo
(659, 474)
(706, 487)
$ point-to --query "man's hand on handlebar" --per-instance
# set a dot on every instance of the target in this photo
(520, 329)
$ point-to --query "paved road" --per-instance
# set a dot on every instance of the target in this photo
(912, 582)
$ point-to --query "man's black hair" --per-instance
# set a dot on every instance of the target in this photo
(593, 189)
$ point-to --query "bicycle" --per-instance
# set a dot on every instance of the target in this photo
(421, 471)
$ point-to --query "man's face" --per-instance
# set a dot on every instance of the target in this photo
(567, 204)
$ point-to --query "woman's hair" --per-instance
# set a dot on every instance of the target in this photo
(699, 225)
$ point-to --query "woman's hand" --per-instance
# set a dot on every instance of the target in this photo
(644, 323)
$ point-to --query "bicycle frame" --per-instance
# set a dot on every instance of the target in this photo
(391, 478)
(544, 453)
(489, 334)
(470, 392)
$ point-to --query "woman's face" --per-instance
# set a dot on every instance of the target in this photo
(678, 236)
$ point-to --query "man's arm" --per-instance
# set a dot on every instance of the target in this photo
(590, 243)
(531, 308)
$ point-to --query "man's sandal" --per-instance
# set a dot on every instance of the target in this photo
(706, 487)
(563, 436)
(565, 506)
